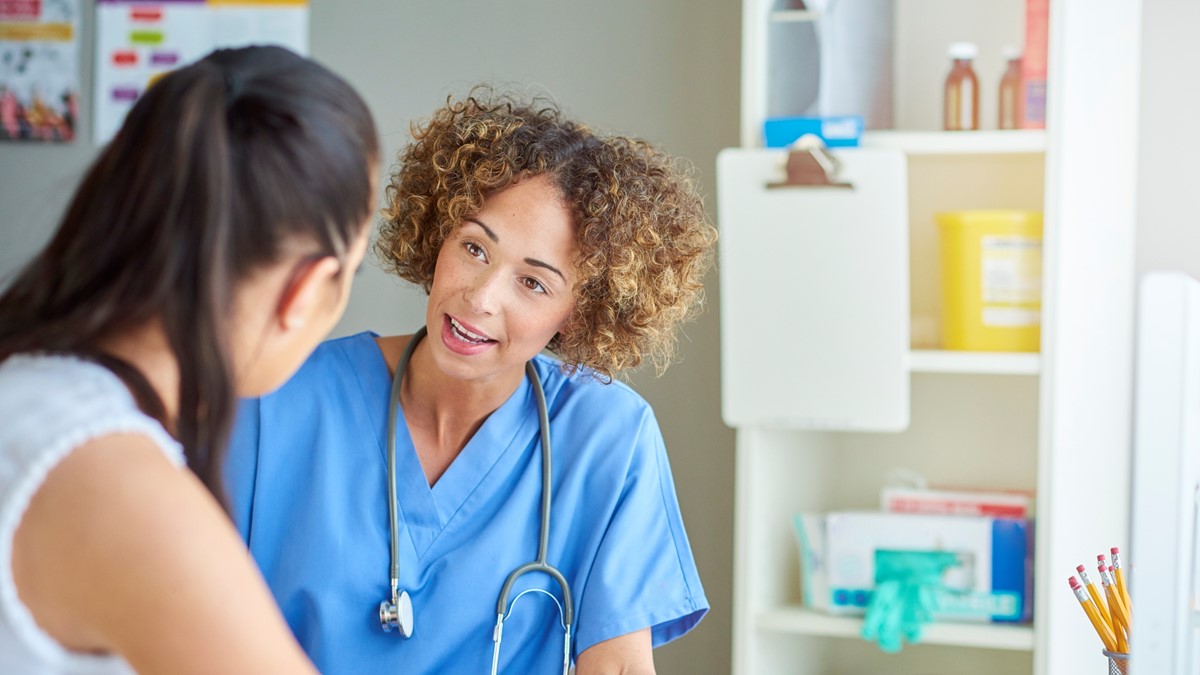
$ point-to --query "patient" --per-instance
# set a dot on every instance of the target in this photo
(208, 249)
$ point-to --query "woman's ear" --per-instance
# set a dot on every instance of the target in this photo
(304, 295)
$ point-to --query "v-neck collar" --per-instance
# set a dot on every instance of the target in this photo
(425, 510)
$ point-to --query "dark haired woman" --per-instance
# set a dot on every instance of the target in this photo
(208, 249)
(528, 232)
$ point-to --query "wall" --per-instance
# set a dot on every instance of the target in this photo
(664, 70)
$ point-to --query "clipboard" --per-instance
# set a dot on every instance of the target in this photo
(814, 290)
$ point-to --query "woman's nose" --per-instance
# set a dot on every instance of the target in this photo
(482, 295)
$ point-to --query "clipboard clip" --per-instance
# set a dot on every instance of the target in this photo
(810, 164)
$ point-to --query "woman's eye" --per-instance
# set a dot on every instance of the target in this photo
(473, 249)
(533, 285)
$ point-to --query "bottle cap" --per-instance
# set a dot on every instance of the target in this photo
(962, 50)
(1009, 52)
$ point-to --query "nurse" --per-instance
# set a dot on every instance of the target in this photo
(529, 233)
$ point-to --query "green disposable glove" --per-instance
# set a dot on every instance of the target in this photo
(907, 584)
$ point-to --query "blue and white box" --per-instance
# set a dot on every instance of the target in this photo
(842, 131)
(814, 586)
(993, 580)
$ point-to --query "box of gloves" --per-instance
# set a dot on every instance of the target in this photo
(973, 568)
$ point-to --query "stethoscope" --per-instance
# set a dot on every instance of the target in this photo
(398, 611)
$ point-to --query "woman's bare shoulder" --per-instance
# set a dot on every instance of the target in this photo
(118, 544)
(81, 507)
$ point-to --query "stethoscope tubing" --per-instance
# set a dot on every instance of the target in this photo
(393, 499)
(538, 565)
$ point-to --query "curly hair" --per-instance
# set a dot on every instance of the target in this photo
(643, 240)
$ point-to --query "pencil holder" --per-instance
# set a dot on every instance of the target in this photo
(1118, 663)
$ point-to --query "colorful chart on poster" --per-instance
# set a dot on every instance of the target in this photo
(39, 70)
(139, 41)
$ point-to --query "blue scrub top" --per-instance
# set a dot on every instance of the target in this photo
(307, 482)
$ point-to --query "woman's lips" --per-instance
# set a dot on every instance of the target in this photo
(461, 339)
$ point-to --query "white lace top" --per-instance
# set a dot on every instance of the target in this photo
(50, 405)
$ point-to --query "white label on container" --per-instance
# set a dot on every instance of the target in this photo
(1011, 266)
(1011, 317)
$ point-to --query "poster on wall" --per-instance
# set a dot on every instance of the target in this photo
(138, 41)
(39, 70)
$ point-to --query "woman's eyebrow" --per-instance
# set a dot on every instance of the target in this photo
(528, 261)
(486, 230)
(538, 263)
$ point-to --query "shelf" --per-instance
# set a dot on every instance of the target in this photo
(794, 16)
(1018, 141)
(981, 635)
(988, 363)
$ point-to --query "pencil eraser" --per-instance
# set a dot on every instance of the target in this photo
(1115, 550)
(1080, 569)
(1074, 582)
(1100, 558)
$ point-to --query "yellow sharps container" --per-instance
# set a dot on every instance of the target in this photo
(991, 280)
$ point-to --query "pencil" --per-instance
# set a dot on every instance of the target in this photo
(1120, 628)
(1106, 634)
(1115, 605)
(1120, 576)
(1106, 578)
(1096, 597)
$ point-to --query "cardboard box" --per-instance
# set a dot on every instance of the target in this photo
(814, 586)
(992, 582)
(1033, 64)
(837, 132)
(946, 502)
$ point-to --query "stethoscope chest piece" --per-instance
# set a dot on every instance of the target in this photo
(397, 613)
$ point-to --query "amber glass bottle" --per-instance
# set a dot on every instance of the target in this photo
(1009, 114)
(961, 111)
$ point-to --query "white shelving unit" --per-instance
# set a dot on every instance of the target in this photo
(973, 363)
(1009, 142)
(800, 621)
(794, 15)
(991, 420)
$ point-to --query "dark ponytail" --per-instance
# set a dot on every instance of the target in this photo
(217, 166)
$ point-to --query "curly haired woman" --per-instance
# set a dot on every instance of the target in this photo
(529, 232)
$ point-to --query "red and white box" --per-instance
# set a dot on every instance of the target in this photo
(1033, 64)
(958, 502)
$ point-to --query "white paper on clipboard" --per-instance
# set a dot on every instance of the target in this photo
(814, 293)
